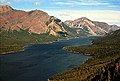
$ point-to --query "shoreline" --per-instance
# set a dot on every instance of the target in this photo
(102, 64)
(77, 52)
(27, 47)
(76, 66)
(23, 48)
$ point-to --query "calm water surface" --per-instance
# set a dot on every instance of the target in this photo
(40, 62)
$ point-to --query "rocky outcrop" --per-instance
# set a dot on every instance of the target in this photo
(35, 21)
(55, 27)
(85, 25)
(52, 32)
(5, 8)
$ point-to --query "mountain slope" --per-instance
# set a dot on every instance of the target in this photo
(35, 21)
(86, 26)
(14, 41)
(16, 19)
(19, 28)
(39, 22)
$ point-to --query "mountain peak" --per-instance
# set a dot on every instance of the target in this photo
(5, 8)
(37, 12)
(82, 19)
(89, 27)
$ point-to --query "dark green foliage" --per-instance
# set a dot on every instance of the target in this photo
(84, 31)
(103, 25)
(57, 20)
(13, 41)
(105, 64)
(70, 31)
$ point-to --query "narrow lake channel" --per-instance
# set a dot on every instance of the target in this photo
(41, 61)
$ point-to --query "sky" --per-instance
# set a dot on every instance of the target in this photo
(97, 10)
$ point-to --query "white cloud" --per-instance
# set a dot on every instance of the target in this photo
(82, 2)
(113, 6)
(8, 2)
(109, 16)
(37, 3)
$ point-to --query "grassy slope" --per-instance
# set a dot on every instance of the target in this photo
(15, 41)
(104, 66)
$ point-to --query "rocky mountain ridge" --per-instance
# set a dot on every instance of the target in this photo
(39, 22)
(90, 27)
(17, 19)
(35, 21)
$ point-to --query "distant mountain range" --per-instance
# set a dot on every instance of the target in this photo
(37, 21)
(88, 27)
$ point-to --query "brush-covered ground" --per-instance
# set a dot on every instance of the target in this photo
(103, 66)
(14, 41)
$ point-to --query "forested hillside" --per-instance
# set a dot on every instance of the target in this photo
(103, 66)
(13, 41)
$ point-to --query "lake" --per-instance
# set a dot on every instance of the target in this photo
(41, 61)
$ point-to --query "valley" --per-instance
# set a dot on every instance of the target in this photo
(20, 28)
(37, 46)
(103, 66)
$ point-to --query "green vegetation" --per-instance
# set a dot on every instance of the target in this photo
(103, 66)
(13, 41)
(70, 31)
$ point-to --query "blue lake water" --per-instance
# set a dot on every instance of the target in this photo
(41, 61)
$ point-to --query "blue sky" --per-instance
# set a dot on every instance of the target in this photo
(99, 10)
(64, 4)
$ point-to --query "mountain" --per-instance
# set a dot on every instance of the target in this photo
(39, 22)
(19, 28)
(57, 28)
(17, 19)
(85, 26)
(36, 21)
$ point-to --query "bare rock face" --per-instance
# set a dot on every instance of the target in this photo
(39, 22)
(5, 8)
(54, 26)
(52, 32)
(91, 27)
(10, 20)
(34, 20)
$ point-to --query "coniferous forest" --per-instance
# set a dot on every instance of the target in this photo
(103, 66)
(14, 41)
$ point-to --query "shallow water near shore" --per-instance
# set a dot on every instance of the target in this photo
(41, 61)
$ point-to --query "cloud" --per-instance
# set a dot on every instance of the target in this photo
(64, 15)
(37, 3)
(8, 2)
(81, 2)
(113, 6)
